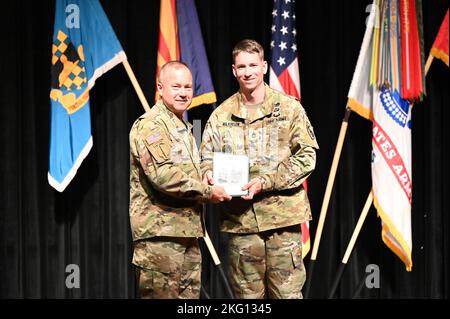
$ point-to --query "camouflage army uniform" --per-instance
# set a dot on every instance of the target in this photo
(165, 195)
(280, 143)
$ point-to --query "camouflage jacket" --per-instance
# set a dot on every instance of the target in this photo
(280, 143)
(165, 179)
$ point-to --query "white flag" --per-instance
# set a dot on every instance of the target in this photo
(391, 150)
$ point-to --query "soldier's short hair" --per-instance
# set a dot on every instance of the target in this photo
(249, 46)
(171, 65)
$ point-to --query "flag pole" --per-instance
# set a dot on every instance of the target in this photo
(351, 244)
(428, 63)
(217, 262)
(136, 85)
(360, 286)
(326, 198)
(207, 240)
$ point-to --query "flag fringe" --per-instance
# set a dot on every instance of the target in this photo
(360, 109)
(306, 247)
(61, 186)
(118, 58)
(388, 227)
(206, 98)
(440, 54)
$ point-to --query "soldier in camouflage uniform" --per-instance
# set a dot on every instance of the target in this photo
(166, 192)
(265, 252)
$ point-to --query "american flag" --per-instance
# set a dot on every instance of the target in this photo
(284, 74)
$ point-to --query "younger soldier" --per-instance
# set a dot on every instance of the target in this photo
(272, 129)
(166, 192)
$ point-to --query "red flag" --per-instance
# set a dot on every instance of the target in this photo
(440, 45)
(284, 74)
(411, 64)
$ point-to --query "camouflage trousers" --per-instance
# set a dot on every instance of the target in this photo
(168, 267)
(267, 263)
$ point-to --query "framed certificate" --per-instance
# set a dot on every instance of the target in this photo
(231, 172)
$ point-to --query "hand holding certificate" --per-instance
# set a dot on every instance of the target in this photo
(231, 172)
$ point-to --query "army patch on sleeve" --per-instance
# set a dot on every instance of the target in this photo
(160, 151)
(310, 130)
(158, 146)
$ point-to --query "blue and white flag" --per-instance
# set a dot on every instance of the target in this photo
(84, 48)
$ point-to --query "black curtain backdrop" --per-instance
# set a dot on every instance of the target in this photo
(42, 231)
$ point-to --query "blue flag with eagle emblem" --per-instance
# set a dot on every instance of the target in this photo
(84, 48)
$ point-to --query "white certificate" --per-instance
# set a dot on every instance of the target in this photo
(231, 172)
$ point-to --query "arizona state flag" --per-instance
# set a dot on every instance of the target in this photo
(180, 38)
(84, 48)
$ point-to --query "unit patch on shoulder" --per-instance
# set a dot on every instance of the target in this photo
(310, 130)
